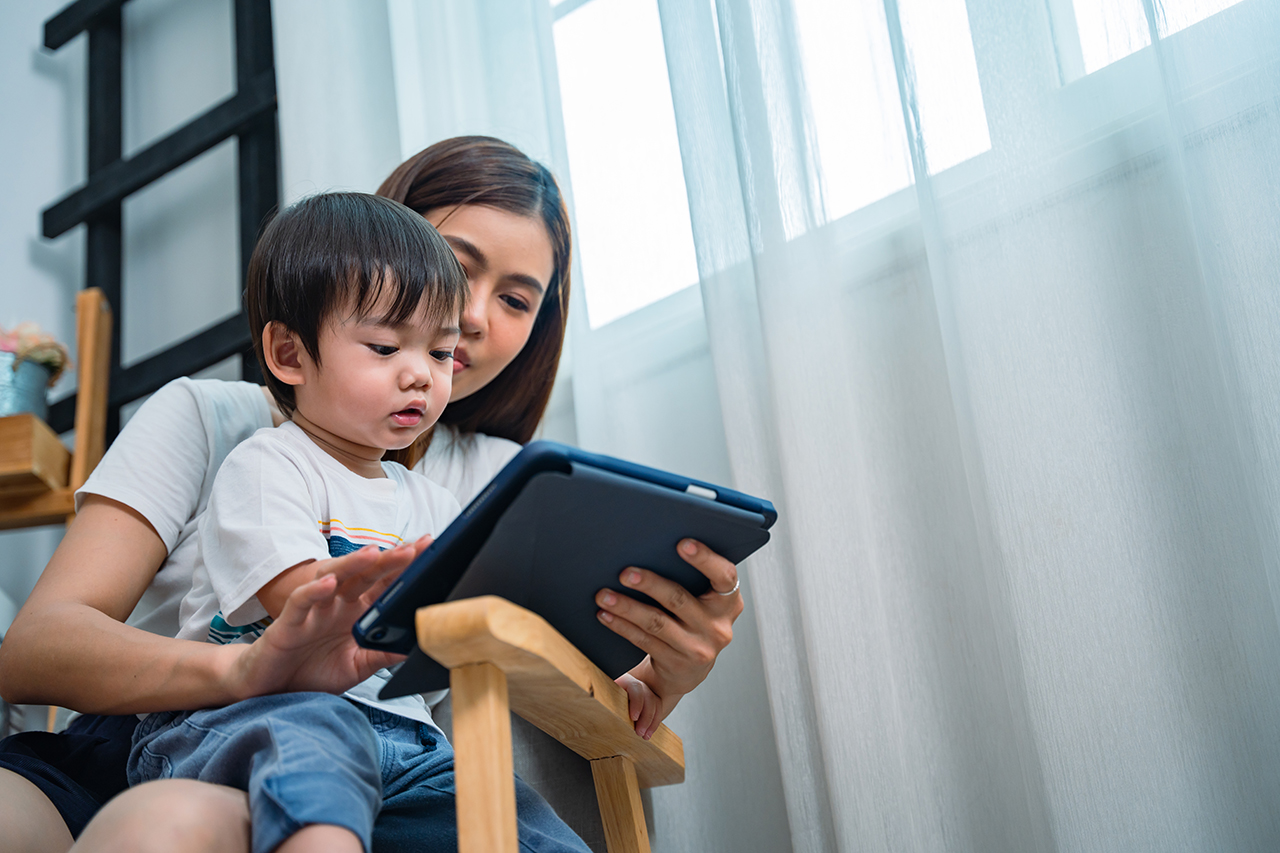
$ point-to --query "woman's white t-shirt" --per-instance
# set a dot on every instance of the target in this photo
(162, 465)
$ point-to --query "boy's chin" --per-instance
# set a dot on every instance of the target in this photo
(401, 442)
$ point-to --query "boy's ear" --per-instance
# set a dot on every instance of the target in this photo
(283, 353)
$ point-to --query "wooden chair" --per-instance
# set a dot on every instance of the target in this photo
(503, 659)
(38, 477)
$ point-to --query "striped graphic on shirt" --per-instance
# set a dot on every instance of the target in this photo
(222, 633)
(344, 539)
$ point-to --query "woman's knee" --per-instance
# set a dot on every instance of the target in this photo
(167, 815)
(29, 823)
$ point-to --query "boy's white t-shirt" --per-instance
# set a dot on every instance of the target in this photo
(280, 500)
(163, 465)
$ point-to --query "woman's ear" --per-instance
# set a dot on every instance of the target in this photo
(283, 353)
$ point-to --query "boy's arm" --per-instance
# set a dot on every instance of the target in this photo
(260, 537)
(68, 645)
(276, 591)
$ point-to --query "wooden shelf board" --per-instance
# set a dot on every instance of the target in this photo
(33, 510)
(32, 460)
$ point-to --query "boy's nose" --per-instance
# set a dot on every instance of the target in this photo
(417, 374)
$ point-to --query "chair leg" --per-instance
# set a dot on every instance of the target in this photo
(620, 808)
(482, 766)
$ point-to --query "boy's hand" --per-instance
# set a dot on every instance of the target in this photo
(645, 706)
(309, 646)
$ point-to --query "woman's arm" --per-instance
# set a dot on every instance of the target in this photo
(69, 646)
(681, 650)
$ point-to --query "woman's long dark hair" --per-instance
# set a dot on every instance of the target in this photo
(487, 171)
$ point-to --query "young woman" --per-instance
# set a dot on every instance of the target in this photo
(504, 217)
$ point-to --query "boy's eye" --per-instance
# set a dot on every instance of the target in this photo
(442, 354)
(382, 349)
(515, 302)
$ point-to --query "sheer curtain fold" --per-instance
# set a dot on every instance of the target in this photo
(1021, 421)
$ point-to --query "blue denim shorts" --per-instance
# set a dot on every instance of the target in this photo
(308, 758)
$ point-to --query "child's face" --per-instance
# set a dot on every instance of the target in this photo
(378, 385)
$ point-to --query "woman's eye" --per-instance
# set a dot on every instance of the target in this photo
(382, 349)
(442, 354)
(515, 302)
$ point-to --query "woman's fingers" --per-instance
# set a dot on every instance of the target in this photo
(642, 704)
(650, 638)
(722, 573)
(624, 614)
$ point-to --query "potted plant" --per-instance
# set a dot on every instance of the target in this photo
(31, 360)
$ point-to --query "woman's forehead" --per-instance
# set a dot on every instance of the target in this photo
(498, 238)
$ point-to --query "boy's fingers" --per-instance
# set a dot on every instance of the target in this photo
(300, 602)
(381, 566)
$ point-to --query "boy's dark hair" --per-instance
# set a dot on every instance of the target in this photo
(342, 251)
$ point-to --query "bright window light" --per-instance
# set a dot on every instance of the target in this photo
(634, 236)
(853, 103)
(1110, 30)
(953, 120)
(853, 94)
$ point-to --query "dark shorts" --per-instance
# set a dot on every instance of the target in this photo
(78, 769)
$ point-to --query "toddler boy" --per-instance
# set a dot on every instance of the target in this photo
(354, 303)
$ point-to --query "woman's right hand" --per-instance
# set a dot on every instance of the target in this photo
(310, 647)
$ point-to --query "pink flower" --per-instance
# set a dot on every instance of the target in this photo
(27, 341)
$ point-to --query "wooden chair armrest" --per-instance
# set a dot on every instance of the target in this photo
(551, 684)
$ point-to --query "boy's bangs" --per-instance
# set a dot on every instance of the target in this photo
(398, 294)
(398, 267)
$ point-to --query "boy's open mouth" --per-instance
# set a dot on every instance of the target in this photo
(411, 416)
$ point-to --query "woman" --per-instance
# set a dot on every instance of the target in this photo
(504, 217)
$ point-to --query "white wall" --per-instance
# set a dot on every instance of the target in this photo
(42, 149)
(181, 249)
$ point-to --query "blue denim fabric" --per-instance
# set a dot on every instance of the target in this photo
(314, 758)
(419, 809)
(303, 758)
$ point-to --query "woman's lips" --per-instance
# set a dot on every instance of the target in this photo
(460, 362)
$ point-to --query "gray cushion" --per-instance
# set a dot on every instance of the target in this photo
(556, 772)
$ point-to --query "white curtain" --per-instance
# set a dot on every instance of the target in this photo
(1000, 343)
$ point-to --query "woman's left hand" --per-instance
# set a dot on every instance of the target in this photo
(682, 644)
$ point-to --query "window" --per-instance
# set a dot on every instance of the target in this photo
(1105, 31)
(635, 239)
(855, 108)
(634, 236)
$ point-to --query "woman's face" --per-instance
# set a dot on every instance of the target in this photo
(509, 263)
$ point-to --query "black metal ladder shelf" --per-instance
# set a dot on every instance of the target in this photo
(249, 115)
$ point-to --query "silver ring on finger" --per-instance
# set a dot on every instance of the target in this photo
(737, 583)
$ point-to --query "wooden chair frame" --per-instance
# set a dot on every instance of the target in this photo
(502, 659)
(93, 350)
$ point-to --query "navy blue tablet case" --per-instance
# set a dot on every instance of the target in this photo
(555, 526)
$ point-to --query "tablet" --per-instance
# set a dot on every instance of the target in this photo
(554, 527)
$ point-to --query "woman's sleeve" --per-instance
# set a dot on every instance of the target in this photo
(158, 464)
